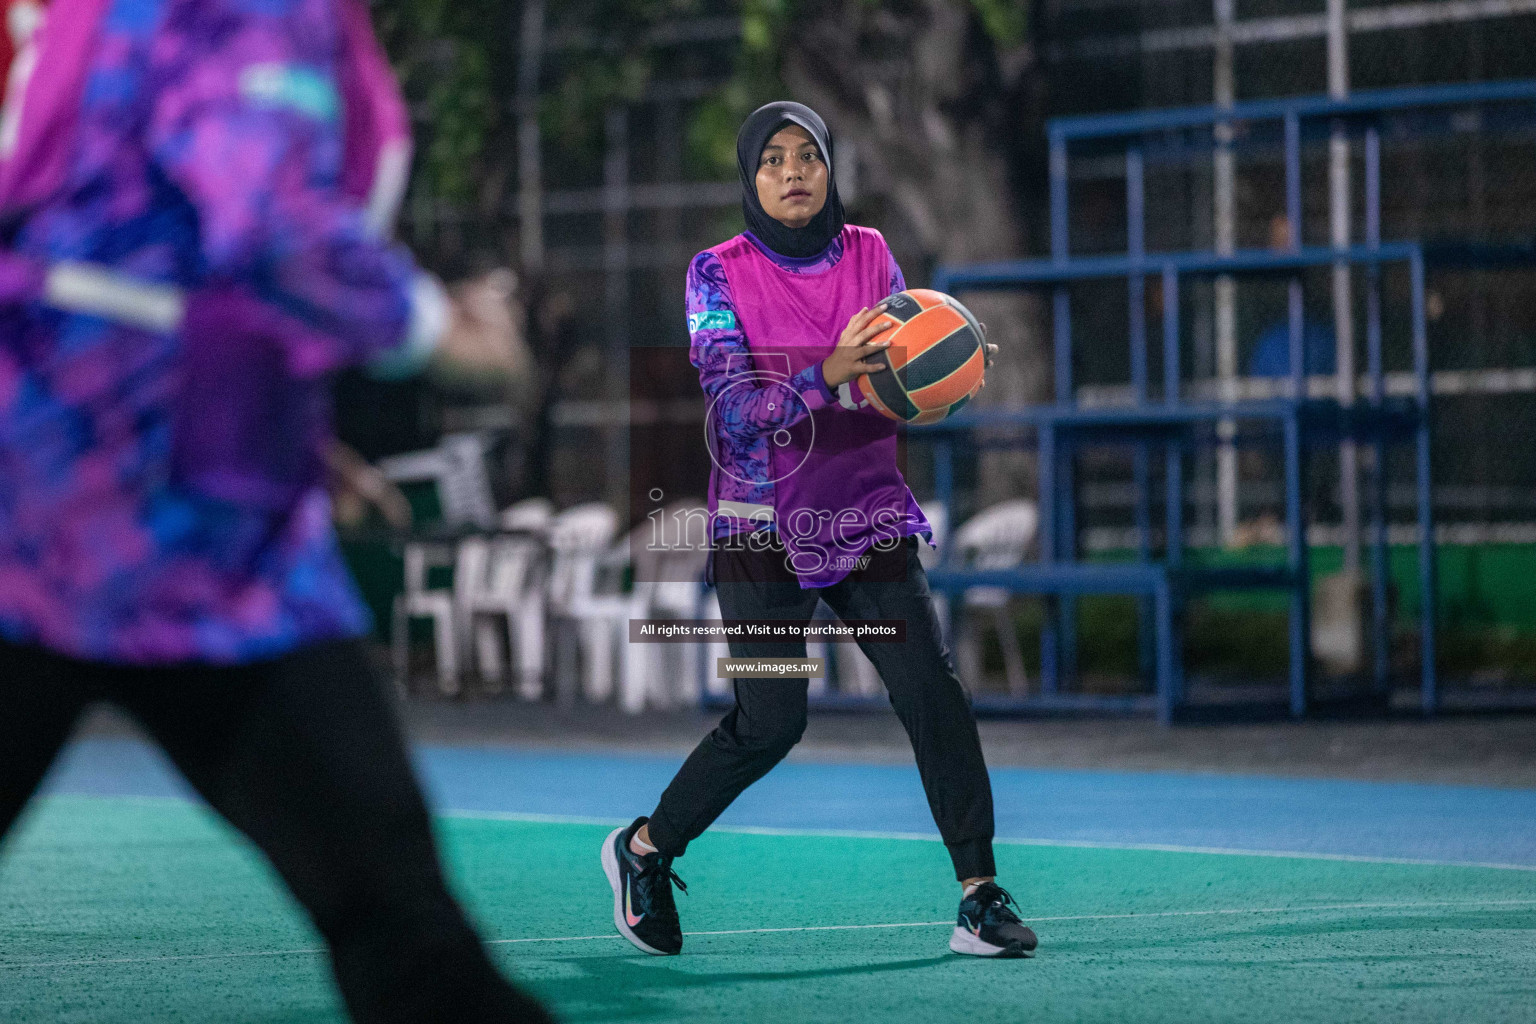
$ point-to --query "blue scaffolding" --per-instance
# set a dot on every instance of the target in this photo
(1175, 426)
(1170, 424)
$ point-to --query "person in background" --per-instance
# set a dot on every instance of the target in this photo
(1272, 349)
(356, 486)
(194, 195)
(378, 417)
(554, 344)
(1271, 358)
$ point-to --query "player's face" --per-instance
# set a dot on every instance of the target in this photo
(792, 177)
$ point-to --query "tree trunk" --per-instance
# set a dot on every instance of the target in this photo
(923, 100)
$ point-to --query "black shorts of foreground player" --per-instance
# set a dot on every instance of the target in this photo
(770, 717)
(304, 756)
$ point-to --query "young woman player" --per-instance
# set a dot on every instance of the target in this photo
(188, 244)
(808, 503)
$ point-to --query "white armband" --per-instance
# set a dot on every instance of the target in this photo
(428, 324)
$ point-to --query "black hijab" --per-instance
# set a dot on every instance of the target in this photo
(756, 130)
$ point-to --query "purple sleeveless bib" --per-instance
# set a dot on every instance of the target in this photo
(837, 485)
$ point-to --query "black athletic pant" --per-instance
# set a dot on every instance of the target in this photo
(769, 716)
(304, 756)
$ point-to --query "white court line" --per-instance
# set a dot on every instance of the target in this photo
(1223, 912)
(1077, 844)
(1075, 917)
(926, 837)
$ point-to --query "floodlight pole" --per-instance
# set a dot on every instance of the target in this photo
(616, 261)
(1224, 192)
(1343, 290)
(530, 166)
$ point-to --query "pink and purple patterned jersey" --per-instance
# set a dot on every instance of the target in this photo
(782, 451)
(206, 153)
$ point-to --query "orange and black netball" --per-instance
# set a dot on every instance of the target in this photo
(935, 361)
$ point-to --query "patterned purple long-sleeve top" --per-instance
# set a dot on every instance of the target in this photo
(745, 417)
(208, 151)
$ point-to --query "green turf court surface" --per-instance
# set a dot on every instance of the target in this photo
(150, 911)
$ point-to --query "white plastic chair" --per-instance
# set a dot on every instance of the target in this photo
(666, 572)
(509, 600)
(456, 468)
(998, 537)
(445, 606)
(667, 586)
(532, 514)
(579, 542)
(603, 615)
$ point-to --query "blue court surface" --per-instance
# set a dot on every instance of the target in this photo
(1213, 812)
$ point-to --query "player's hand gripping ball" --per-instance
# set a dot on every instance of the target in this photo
(935, 362)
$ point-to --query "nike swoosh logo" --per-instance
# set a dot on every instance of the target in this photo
(629, 913)
(975, 929)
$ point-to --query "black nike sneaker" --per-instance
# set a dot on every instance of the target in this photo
(988, 928)
(643, 910)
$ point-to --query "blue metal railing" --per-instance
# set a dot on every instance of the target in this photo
(1146, 423)
(1167, 135)
(1134, 130)
(1172, 135)
(1368, 101)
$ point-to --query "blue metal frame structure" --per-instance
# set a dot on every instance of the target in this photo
(1144, 424)
(1175, 426)
(1160, 130)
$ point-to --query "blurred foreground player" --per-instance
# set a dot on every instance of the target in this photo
(193, 195)
(808, 503)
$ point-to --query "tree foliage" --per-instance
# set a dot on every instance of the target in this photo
(457, 60)
(938, 97)
(456, 63)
